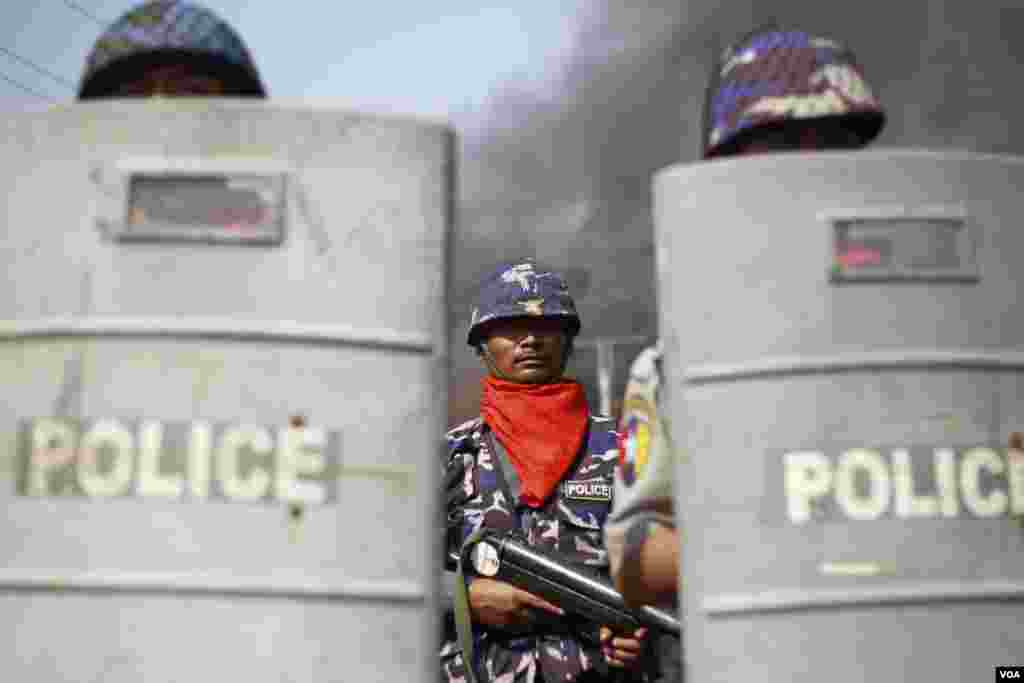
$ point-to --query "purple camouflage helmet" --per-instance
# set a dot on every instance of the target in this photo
(522, 289)
(169, 32)
(773, 77)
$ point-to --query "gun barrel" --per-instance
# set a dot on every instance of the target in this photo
(660, 619)
(573, 589)
(594, 587)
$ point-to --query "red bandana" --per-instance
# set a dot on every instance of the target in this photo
(541, 426)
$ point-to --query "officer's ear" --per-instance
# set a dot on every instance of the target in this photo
(481, 345)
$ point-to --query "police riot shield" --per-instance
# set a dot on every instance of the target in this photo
(843, 335)
(222, 343)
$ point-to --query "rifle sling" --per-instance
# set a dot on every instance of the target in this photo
(463, 615)
(508, 480)
(509, 477)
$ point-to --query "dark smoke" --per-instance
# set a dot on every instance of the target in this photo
(567, 178)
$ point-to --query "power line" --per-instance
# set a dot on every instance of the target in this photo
(24, 87)
(37, 68)
(85, 13)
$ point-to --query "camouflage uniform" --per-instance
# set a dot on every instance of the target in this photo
(169, 32)
(568, 523)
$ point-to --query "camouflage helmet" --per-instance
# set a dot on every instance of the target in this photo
(522, 289)
(773, 77)
(169, 32)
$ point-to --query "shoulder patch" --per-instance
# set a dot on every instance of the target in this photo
(638, 416)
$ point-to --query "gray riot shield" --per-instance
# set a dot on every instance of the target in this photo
(843, 336)
(222, 345)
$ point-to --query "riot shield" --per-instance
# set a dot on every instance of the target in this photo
(843, 336)
(223, 347)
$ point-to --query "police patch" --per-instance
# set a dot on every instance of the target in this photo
(636, 438)
(597, 490)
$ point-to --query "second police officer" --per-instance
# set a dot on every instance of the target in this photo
(773, 90)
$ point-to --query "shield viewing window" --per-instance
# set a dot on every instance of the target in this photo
(936, 246)
(228, 208)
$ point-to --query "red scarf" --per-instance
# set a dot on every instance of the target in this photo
(541, 426)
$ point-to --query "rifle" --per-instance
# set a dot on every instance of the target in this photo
(586, 594)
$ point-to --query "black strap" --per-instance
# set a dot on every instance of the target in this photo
(463, 612)
(508, 477)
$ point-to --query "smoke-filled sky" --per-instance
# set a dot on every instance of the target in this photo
(566, 107)
(568, 179)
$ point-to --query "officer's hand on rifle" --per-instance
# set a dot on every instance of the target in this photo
(622, 650)
(496, 603)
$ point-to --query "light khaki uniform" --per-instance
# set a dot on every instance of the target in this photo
(644, 479)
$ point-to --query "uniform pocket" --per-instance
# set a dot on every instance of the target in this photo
(580, 536)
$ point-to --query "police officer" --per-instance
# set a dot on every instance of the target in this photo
(169, 48)
(512, 470)
(774, 90)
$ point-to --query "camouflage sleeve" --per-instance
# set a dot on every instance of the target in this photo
(456, 482)
(644, 477)
(457, 479)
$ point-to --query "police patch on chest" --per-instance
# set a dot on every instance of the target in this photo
(588, 489)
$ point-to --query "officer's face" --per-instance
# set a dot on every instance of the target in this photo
(171, 81)
(527, 350)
